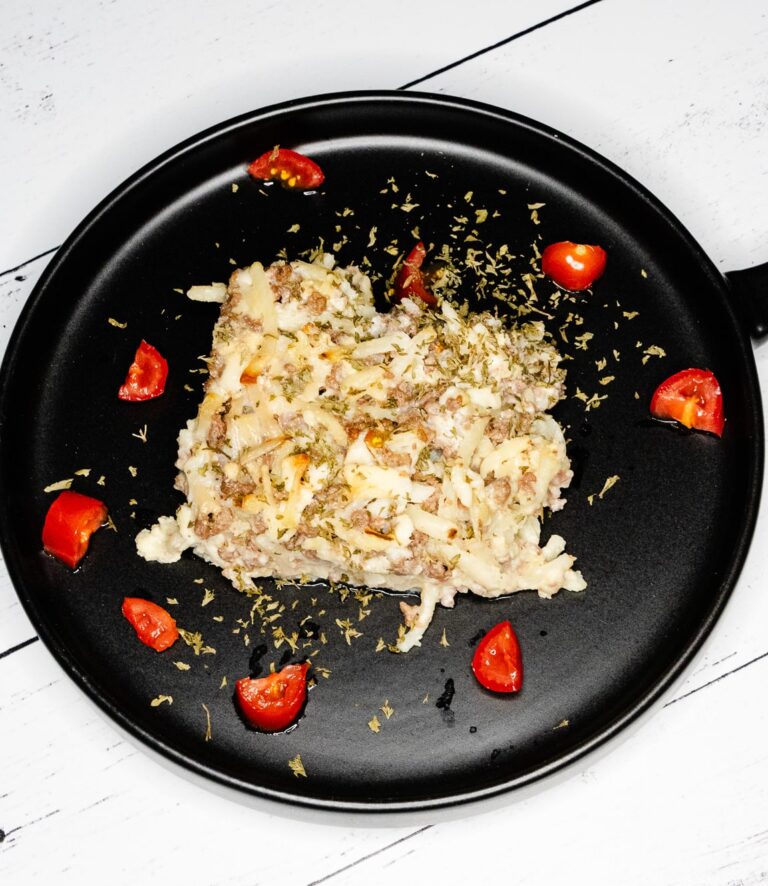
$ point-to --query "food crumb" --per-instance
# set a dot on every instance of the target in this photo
(609, 484)
(116, 323)
(386, 709)
(581, 341)
(208, 597)
(444, 639)
(58, 486)
(171, 601)
(83, 472)
(294, 229)
(373, 724)
(156, 702)
(182, 665)
(141, 434)
(562, 724)
(297, 767)
(235, 189)
(133, 471)
(208, 733)
(653, 351)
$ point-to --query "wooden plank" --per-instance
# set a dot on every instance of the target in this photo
(678, 801)
(95, 91)
(674, 93)
(682, 799)
(73, 784)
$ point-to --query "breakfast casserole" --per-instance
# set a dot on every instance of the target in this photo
(409, 450)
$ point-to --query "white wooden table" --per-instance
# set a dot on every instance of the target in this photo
(674, 91)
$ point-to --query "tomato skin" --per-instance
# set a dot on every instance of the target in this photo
(497, 662)
(272, 703)
(573, 266)
(154, 626)
(146, 375)
(693, 398)
(71, 520)
(293, 170)
(410, 278)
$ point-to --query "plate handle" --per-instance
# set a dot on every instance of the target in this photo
(750, 287)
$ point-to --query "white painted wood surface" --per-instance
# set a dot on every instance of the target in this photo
(676, 93)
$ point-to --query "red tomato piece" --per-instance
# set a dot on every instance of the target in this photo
(410, 278)
(573, 266)
(497, 662)
(146, 375)
(273, 702)
(69, 524)
(154, 626)
(293, 170)
(693, 398)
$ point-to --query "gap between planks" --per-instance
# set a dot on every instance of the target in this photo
(376, 852)
(506, 40)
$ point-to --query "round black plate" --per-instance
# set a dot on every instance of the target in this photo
(660, 550)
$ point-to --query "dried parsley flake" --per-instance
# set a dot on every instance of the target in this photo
(297, 767)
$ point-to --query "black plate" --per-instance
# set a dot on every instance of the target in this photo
(661, 550)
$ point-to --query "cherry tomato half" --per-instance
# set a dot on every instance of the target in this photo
(293, 170)
(273, 702)
(497, 662)
(146, 375)
(69, 524)
(154, 626)
(693, 398)
(410, 278)
(573, 266)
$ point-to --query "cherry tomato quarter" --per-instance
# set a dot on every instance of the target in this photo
(69, 524)
(497, 662)
(293, 170)
(693, 398)
(273, 703)
(154, 626)
(410, 282)
(573, 266)
(146, 375)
